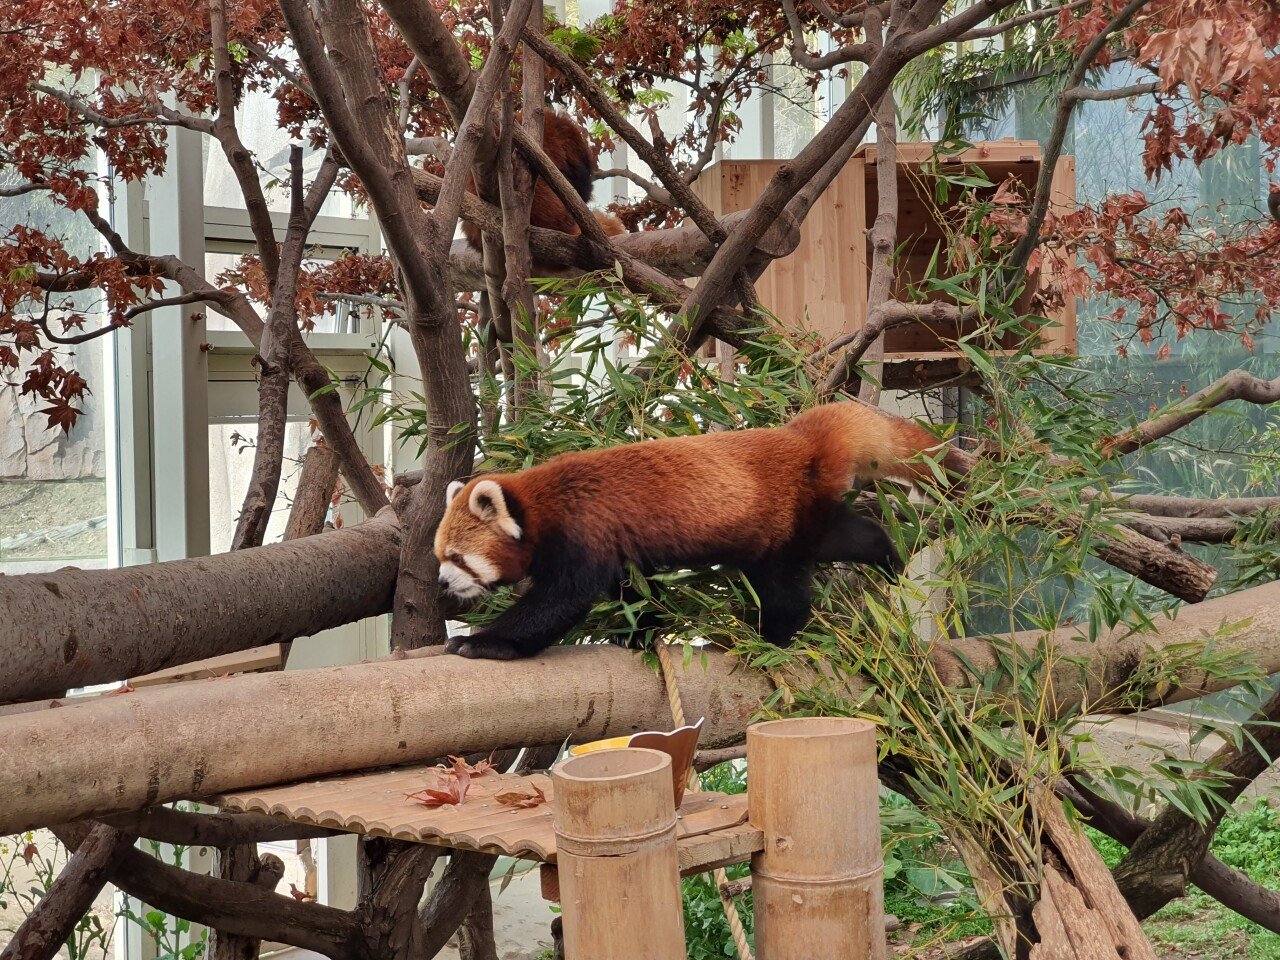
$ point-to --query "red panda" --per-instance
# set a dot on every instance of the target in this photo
(566, 146)
(768, 501)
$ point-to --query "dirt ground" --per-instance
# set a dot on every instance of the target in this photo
(61, 515)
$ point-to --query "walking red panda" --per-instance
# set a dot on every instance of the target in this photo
(565, 145)
(767, 501)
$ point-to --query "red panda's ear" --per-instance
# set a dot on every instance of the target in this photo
(452, 491)
(489, 503)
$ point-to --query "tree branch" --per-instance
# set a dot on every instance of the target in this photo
(475, 125)
(1162, 859)
(51, 922)
(273, 361)
(161, 115)
(238, 156)
(884, 231)
(1067, 100)
(1236, 385)
(239, 908)
(1035, 16)
(178, 827)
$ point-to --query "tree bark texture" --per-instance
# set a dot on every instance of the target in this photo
(314, 493)
(1162, 859)
(78, 627)
(170, 743)
(242, 863)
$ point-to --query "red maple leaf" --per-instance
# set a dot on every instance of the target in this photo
(449, 790)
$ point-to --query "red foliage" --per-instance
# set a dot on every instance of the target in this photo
(1178, 271)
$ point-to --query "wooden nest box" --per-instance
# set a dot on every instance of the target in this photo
(822, 285)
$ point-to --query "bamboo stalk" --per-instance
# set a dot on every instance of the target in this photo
(615, 824)
(817, 885)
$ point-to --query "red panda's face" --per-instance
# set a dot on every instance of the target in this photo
(479, 544)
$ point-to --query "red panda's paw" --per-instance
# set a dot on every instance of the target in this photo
(482, 648)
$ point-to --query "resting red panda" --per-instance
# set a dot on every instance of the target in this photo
(766, 501)
(566, 146)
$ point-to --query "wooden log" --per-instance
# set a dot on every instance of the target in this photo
(114, 754)
(818, 885)
(157, 744)
(73, 628)
(615, 826)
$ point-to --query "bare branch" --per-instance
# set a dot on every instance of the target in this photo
(174, 301)
(240, 908)
(887, 316)
(1236, 385)
(1067, 100)
(884, 231)
(1161, 861)
(314, 494)
(1035, 16)
(43, 323)
(238, 156)
(404, 87)
(1117, 93)
(1230, 887)
(654, 192)
(1191, 508)
(167, 825)
(437, 147)
(800, 53)
(159, 115)
(18, 189)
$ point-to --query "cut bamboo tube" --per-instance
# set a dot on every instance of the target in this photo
(817, 885)
(615, 826)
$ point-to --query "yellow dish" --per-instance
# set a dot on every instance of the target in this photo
(613, 743)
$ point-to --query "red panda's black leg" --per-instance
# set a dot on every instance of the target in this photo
(783, 586)
(852, 538)
(565, 587)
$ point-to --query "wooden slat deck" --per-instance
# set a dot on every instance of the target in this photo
(712, 828)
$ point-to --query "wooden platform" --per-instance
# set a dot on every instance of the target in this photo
(712, 828)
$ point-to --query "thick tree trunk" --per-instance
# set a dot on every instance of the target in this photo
(243, 864)
(73, 628)
(163, 744)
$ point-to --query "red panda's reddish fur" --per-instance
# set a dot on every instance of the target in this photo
(769, 502)
(744, 492)
(565, 145)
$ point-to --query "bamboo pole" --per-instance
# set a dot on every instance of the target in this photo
(817, 885)
(615, 824)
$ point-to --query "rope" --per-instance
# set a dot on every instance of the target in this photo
(721, 878)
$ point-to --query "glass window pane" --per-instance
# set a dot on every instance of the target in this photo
(231, 450)
(259, 128)
(343, 320)
(53, 485)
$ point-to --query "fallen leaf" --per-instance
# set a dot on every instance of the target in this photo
(522, 800)
(448, 791)
(477, 769)
(29, 853)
